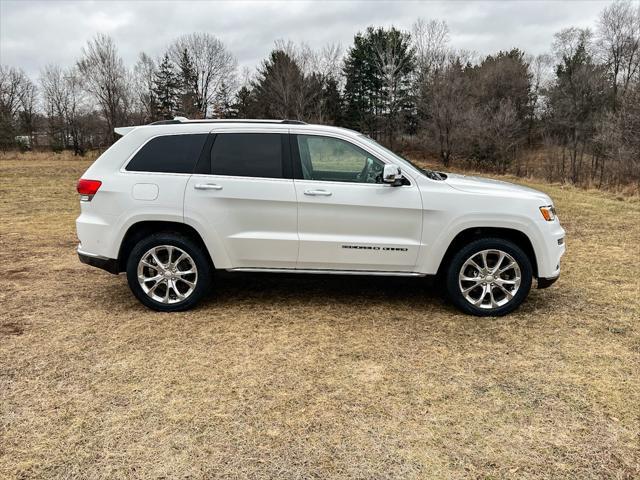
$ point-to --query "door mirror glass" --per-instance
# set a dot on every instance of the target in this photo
(392, 175)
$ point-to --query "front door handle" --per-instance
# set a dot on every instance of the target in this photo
(207, 186)
(323, 193)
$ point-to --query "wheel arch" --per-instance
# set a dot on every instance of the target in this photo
(470, 234)
(142, 229)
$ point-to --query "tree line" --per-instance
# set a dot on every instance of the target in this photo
(572, 115)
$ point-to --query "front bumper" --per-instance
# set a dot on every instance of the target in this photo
(108, 264)
(555, 249)
(547, 282)
(549, 248)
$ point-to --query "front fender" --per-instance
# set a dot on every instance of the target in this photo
(436, 240)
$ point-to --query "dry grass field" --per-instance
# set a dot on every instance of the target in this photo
(312, 377)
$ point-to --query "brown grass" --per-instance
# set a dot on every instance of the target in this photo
(307, 377)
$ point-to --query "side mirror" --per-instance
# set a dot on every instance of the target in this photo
(392, 175)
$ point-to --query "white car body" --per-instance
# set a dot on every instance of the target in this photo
(297, 225)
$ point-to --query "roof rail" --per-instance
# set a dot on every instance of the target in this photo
(165, 122)
(177, 120)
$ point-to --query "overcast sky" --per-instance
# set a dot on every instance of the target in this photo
(34, 33)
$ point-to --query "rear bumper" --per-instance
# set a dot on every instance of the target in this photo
(547, 282)
(108, 264)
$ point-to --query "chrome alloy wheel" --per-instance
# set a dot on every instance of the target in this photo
(489, 279)
(167, 274)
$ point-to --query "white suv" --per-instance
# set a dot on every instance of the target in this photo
(171, 202)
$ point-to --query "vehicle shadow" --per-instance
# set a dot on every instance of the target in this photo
(316, 288)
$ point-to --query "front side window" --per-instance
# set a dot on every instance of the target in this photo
(168, 154)
(247, 155)
(335, 160)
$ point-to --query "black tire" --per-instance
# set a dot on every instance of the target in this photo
(202, 279)
(453, 283)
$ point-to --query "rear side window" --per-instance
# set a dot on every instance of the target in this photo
(168, 154)
(247, 155)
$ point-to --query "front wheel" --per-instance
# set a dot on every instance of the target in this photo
(489, 277)
(168, 272)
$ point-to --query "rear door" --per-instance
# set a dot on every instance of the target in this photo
(347, 218)
(243, 197)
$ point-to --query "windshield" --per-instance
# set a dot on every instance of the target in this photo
(429, 173)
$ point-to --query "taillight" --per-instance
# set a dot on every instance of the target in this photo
(87, 189)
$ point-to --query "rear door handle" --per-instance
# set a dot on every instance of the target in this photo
(207, 186)
(313, 193)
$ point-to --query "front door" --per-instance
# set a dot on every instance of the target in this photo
(245, 202)
(347, 218)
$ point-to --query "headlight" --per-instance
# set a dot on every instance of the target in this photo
(548, 212)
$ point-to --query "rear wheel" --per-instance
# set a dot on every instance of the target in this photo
(489, 277)
(168, 272)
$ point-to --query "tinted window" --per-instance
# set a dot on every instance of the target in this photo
(247, 155)
(335, 160)
(168, 154)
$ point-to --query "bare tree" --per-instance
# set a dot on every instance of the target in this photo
(628, 130)
(330, 61)
(78, 112)
(541, 75)
(28, 108)
(496, 131)
(143, 81)
(568, 40)
(431, 43)
(11, 84)
(246, 77)
(214, 66)
(619, 44)
(541, 72)
(619, 138)
(55, 96)
(17, 92)
(447, 98)
(66, 107)
(105, 79)
(304, 56)
(327, 77)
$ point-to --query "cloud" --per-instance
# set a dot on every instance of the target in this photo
(35, 33)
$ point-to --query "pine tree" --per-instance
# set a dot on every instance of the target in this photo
(243, 106)
(332, 102)
(279, 88)
(378, 71)
(576, 99)
(361, 86)
(223, 107)
(188, 104)
(165, 89)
